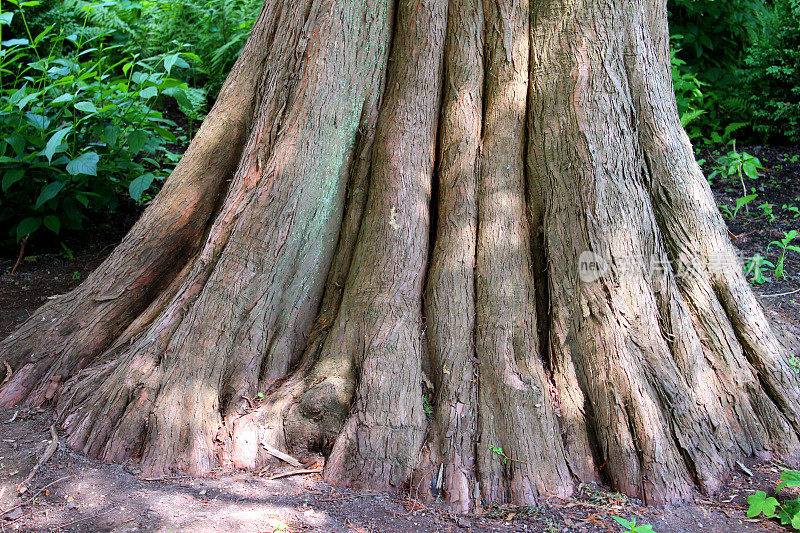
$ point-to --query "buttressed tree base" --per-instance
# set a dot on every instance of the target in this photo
(388, 212)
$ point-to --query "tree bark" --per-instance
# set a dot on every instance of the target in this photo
(461, 247)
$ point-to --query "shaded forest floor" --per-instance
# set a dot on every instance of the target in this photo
(76, 494)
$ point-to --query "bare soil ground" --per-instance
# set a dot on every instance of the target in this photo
(76, 494)
(73, 493)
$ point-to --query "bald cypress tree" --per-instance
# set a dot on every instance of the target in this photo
(461, 241)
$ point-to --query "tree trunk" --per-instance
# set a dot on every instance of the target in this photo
(458, 247)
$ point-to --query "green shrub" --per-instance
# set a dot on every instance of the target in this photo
(771, 75)
(709, 38)
(79, 130)
(688, 92)
(714, 34)
(214, 30)
(788, 512)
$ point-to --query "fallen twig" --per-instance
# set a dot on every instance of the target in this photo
(744, 469)
(282, 456)
(176, 477)
(296, 473)
(780, 294)
(21, 254)
(48, 453)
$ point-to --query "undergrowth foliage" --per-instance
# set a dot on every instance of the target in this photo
(771, 74)
(710, 39)
(788, 511)
(80, 123)
(214, 30)
(736, 65)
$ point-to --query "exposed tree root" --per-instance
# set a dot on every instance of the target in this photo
(263, 298)
(380, 321)
(450, 296)
(70, 332)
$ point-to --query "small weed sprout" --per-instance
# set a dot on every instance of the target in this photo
(631, 527)
(757, 266)
(427, 405)
(785, 246)
(793, 209)
(766, 212)
(738, 164)
(729, 213)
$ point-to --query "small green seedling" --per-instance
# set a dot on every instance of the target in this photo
(756, 266)
(427, 405)
(785, 247)
(793, 209)
(631, 527)
(795, 362)
(738, 164)
(761, 504)
(67, 254)
(503, 457)
(766, 212)
(729, 213)
(499, 451)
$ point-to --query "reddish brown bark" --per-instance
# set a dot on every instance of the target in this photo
(450, 295)
(374, 251)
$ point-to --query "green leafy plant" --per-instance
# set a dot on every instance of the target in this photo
(66, 252)
(756, 267)
(785, 246)
(631, 527)
(770, 77)
(795, 362)
(503, 457)
(427, 405)
(766, 212)
(695, 102)
(499, 451)
(78, 130)
(789, 478)
(787, 512)
(738, 164)
(688, 92)
(760, 504)
(793, 209)
(214, 30)
(709, 37)
(731, 214)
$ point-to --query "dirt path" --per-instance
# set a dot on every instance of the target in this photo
(76, 494)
